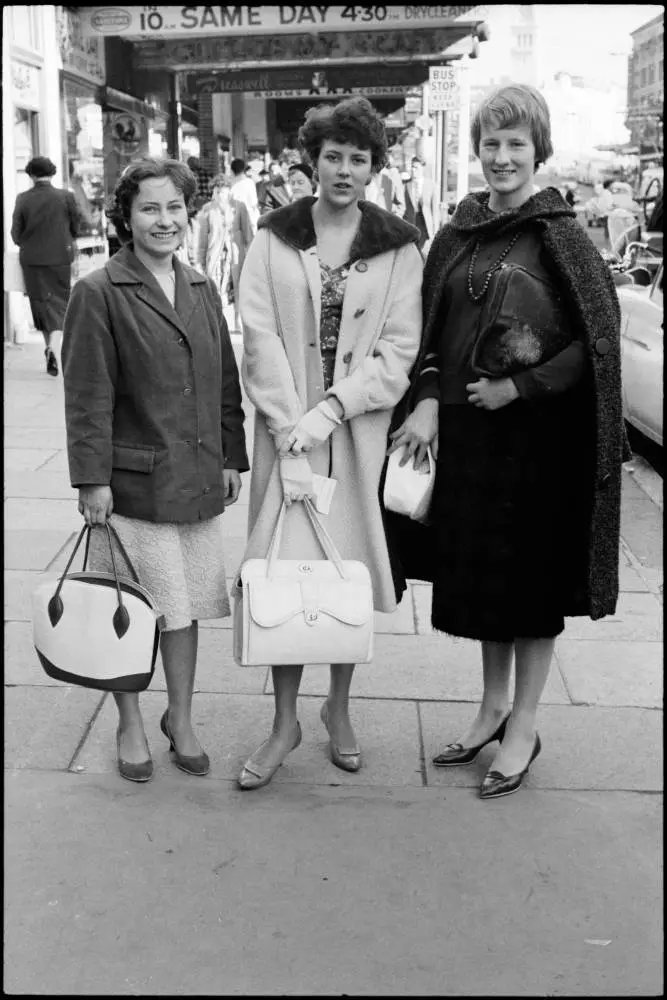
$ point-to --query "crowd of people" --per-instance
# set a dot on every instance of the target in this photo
(493, 342)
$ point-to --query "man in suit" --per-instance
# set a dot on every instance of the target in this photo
(44, 224)
(421, 203)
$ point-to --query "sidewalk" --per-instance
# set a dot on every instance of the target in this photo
(395, 881)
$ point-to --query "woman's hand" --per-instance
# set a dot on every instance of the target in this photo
(491, 394)
(313, 428)
(417, 432)
(296, 476)
(96, 504)
(231, 482)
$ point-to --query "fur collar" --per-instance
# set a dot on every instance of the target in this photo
(473, 216)
(379, 232)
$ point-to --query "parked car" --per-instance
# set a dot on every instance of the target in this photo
(642, 354)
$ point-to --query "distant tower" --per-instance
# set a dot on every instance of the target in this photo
(524, 46)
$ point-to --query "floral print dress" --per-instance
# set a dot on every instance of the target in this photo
(333, 292)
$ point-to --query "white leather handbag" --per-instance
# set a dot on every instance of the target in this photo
(96, 630)
(291, 611)
(407, 491)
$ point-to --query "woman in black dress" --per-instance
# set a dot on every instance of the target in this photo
(525, 515)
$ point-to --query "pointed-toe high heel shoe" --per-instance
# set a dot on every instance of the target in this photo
(454, 754)
(252, 776)
(496, 783)
(198, 765)
(133, 772)
(346, 760)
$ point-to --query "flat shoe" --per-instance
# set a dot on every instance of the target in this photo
(455, 754)
(496, 783)
(346, 760)
(251, 777)
(51, 363)
(198, 765)
(133, 772)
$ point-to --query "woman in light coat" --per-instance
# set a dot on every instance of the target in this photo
(331, 308)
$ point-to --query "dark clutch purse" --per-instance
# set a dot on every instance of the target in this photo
(522, 324)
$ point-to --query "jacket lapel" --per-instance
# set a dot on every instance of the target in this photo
(125, 268)
(311, 265)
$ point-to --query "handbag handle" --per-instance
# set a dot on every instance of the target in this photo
(321, 533)
(121, 618)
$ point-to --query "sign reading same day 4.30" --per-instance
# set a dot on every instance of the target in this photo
(163, 22)
(444, 88)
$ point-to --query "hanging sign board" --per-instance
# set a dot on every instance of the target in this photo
(163, 22)
(444, 88)
(309, 81)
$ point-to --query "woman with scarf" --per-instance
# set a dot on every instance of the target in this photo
(517, 390)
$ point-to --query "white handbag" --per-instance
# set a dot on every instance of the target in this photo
(97, 630)
(291, 611)
(407, 491)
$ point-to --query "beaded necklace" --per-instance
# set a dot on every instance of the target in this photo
(491, 271)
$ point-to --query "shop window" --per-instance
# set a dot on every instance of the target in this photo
(82, 125)
(26, 144)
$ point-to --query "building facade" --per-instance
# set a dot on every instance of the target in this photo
(645, 94)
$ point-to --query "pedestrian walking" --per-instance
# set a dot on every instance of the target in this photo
(215, 227)
(525, 516)
(327, 353)
(300, 177)
(276, 192)
(244, 190)
(45, 223)
(155, 433)
(420, 203)
(203, 178)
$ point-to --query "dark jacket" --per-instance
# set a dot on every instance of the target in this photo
(152, 394)
(45, 221)
(593, 302)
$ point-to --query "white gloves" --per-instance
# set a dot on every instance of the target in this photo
(296, 477)
(313, 429)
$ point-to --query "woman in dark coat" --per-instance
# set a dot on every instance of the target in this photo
(44, 225)
(155, 434)
(526, 509)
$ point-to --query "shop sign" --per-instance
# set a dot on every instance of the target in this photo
(25, 84)
(372, 46)
(386, 91)
(310, 81)
(126, 131)
(80, 54)
(165, 22)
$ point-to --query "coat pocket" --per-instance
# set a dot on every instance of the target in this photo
(133, 458)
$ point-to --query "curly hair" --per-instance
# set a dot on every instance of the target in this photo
(511, 105)
(353, 121)
(127, 188)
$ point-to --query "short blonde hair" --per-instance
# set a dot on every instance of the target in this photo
(511, 105)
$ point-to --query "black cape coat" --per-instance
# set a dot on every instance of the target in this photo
(589, 287)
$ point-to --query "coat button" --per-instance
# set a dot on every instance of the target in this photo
(602, 345)
(207, 489)
(187, 390)
(181, 341)
(361, 266)
(347, 357)
(358, 313)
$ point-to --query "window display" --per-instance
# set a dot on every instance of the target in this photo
(82, 127)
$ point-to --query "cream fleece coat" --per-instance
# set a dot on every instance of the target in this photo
(379, 339)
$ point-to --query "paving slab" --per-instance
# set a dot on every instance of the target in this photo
(641, 523)
(44, 726)
(231, 727)
(583, 748)
(49, 436)
(433, 667)
(25, 459)
(312, 891)
(613, 673)
(33, 548)
(40, 485)
(638, 616)
(30, 514)
(19, 585)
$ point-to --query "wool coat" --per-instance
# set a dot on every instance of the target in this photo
(152, 392)
(282, 373)
(591, 295)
